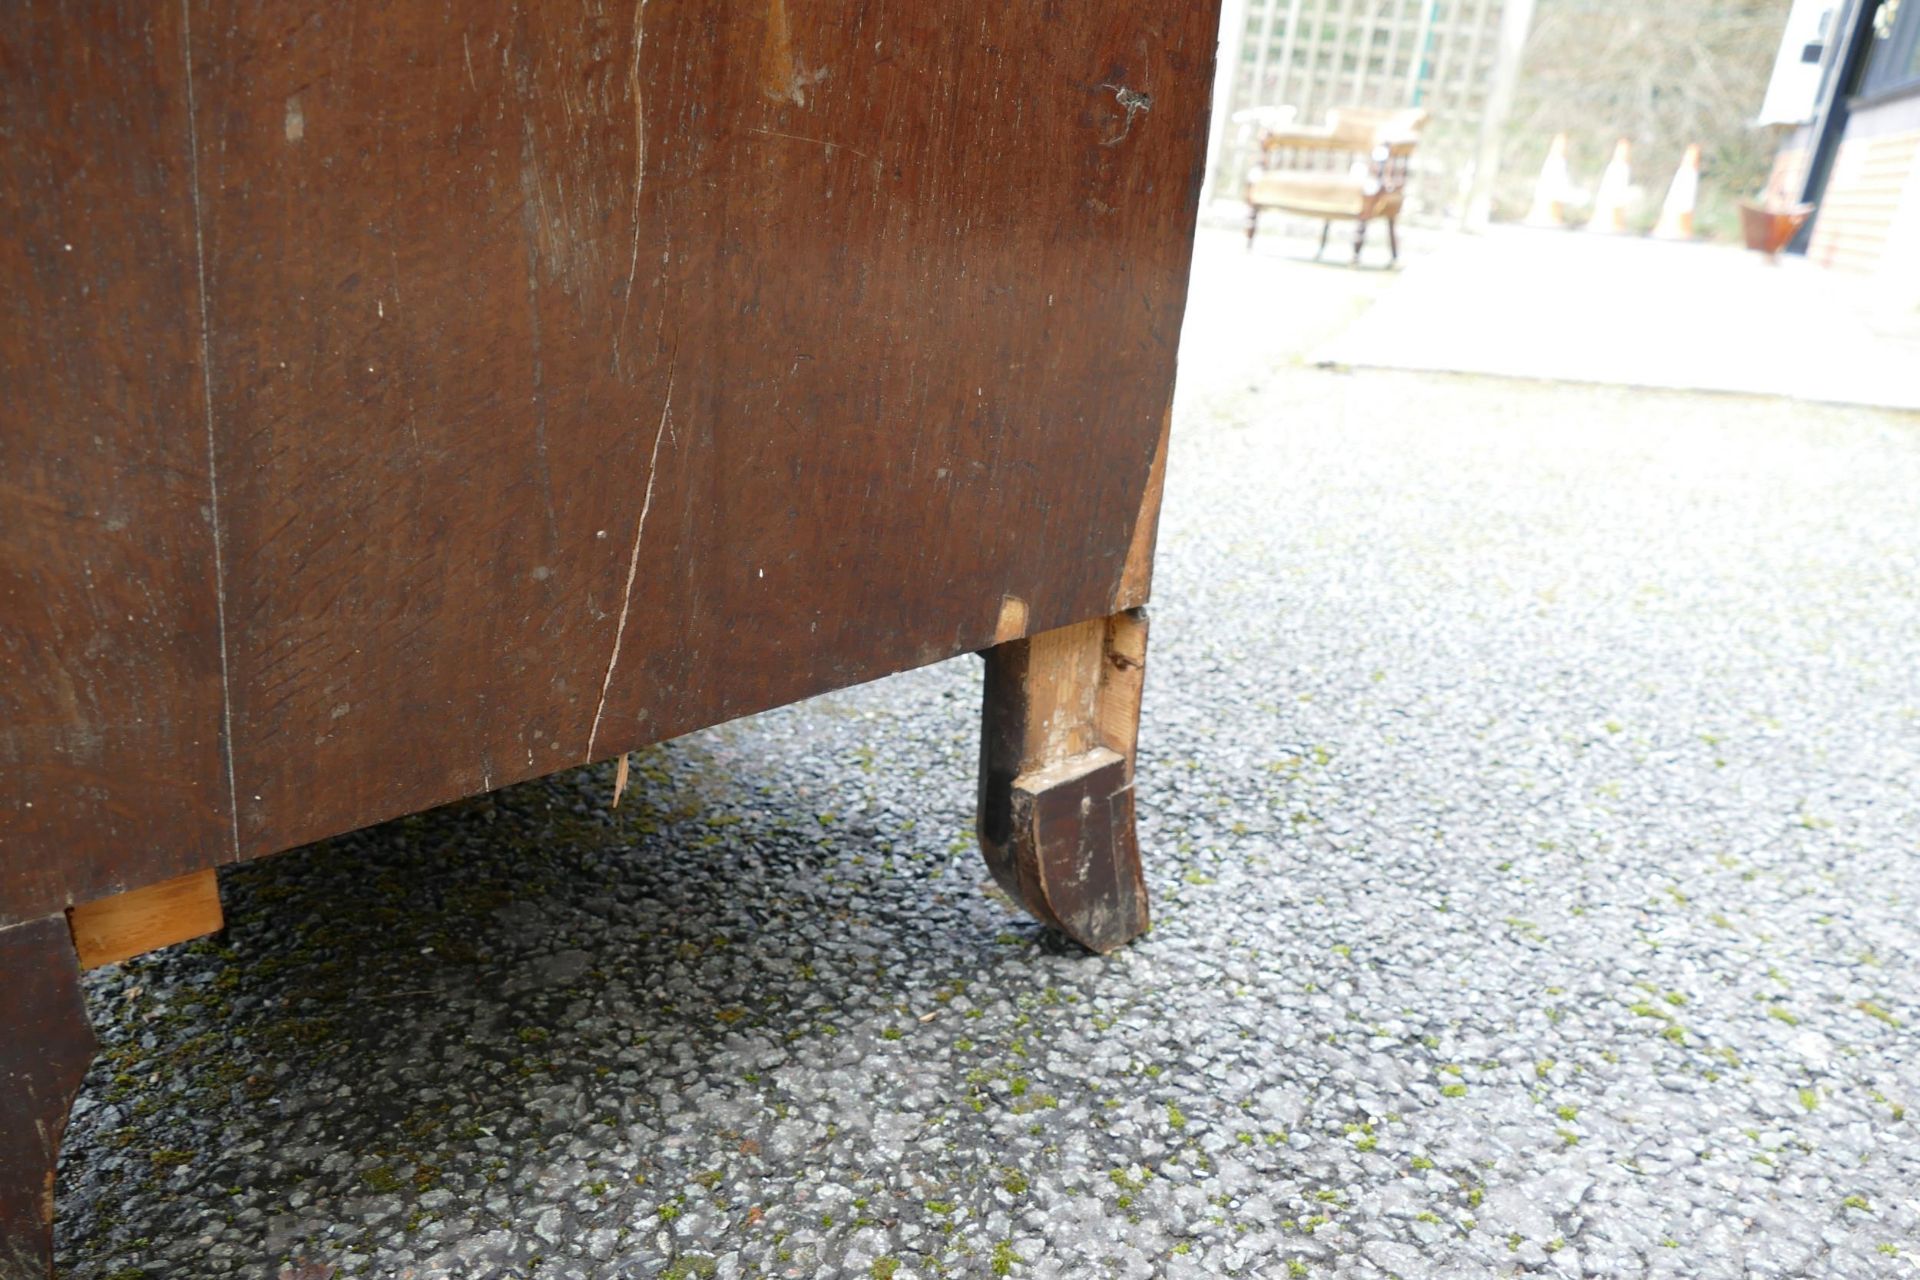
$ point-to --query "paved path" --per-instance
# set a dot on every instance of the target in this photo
(1530, 784)
(1637, 312)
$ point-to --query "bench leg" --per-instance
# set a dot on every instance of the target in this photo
(45, 1048)
(1056, 777)
(1253, 223)
(1326, 228)
(1359, 238)
(1393, 243)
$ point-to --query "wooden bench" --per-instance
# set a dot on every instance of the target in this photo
(1354, 167)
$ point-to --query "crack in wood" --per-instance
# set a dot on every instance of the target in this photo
(206, 391)
(633, 559)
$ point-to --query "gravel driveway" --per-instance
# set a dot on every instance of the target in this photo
(1530, 783)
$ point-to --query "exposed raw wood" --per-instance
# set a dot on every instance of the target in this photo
(1013, 620)
(1136, 580)
(620, 778)
(109, 930)
(1061, 682)
(1123, 677)
(1056, 819)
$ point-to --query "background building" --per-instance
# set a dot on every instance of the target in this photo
(1845, 96)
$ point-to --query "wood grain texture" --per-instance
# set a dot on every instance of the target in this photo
(585, 374)
(1123, 680)
(1136, 580)
(109, 930)
(1060, 687)
(1059, 724)
(44, 1053)
(112, 771)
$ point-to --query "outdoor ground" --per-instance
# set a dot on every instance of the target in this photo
(1530, 786)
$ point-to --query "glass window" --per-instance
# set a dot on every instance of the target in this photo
(1894, 60)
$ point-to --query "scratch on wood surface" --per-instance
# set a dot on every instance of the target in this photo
(818, 142)
(633, 558)
(206, 393)
(466, 50)
(635, 86)
(538, 393)
(1131, 101)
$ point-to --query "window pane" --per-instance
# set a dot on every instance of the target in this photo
(1893, 62)
(1881, 67)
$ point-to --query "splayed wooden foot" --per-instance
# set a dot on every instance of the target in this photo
(1056, 819)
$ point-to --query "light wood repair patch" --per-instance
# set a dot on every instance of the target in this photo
(1012, 623)
(109, 930)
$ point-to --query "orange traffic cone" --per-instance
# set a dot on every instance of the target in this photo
(1676, 215)
(1550, 193)
(1610, 202)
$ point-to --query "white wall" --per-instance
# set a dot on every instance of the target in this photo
(1791, 91)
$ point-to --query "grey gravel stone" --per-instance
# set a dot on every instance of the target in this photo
(1529, 783)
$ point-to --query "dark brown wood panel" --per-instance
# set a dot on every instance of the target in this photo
(112, 771)
(43, 1058)
(587, 373)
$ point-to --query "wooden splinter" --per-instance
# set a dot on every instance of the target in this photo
(1056, 821)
